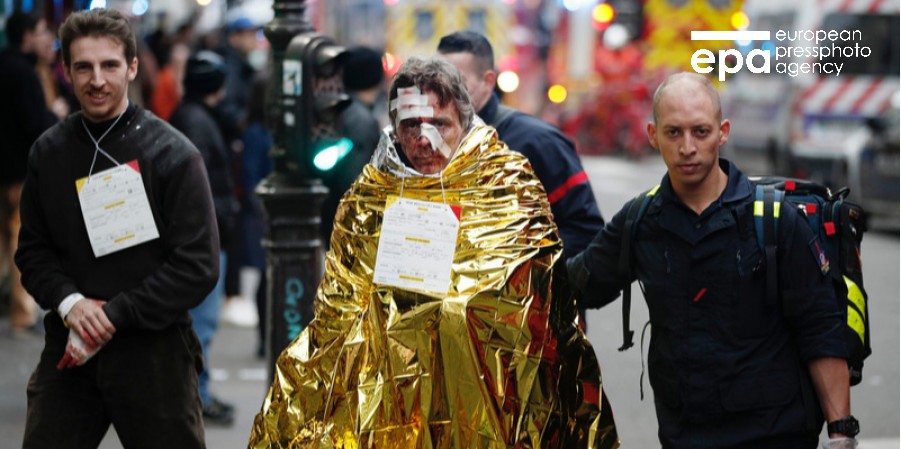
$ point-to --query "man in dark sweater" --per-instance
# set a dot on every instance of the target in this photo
(118, 242)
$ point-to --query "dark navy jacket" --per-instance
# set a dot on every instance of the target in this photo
(728, 368)
(197, 122)
(554, 159)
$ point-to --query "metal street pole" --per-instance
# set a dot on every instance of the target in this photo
(293, 204)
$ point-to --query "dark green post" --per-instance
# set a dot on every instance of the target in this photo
(306, 71)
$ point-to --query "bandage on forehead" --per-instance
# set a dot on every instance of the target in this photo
(411, 103)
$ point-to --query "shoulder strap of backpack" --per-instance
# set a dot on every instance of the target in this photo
(637, 209)
(767, 204)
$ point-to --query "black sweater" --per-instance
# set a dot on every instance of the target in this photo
(148, 286)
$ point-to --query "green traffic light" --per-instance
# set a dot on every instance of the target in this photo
(328, 157)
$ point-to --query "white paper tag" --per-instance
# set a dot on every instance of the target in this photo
(115, 209)
(417, 245)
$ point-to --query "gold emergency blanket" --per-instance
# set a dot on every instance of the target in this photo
(497, 362)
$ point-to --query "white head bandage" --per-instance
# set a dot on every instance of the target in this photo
(411, 103)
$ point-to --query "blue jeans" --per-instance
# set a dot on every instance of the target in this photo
(206, 321)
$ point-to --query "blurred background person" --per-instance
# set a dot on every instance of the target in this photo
(256, 165)
(172, 54)
(57, 91)
(363, 80)
(24, 115)
(204, 88)
(240, 41)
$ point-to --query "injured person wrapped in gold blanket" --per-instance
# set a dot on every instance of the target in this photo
(443, 319)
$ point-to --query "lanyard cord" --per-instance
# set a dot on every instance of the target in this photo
(97, 141)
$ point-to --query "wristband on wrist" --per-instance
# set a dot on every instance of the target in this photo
(66, 305)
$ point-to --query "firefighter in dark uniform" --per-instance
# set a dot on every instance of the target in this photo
(552, 155)
(728, 368)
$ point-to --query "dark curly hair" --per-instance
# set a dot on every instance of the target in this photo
(98, 23)
(438, 76)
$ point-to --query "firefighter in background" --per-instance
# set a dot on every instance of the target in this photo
(552, 155)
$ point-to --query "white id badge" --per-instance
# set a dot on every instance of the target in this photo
(417, 245)
(115, 209)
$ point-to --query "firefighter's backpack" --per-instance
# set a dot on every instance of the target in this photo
(839, 226)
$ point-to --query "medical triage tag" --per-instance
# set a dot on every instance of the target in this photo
(115, 209)
(416, 245)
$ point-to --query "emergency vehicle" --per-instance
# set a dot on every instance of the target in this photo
(819, 124)
(414, 27)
